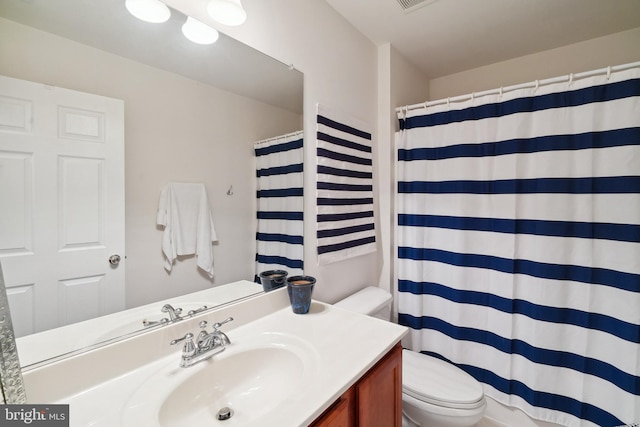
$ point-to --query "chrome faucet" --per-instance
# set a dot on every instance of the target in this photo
(174, 313)
(207, 344)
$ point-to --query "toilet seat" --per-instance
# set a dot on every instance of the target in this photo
(437, 382)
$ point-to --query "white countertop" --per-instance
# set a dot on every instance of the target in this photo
(100, 388)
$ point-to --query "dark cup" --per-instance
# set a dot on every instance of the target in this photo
(273, 279)
(300, 289)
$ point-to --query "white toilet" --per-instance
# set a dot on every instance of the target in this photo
(434, 393)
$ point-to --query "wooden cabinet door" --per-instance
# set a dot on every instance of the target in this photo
(340, 414)
(379, 393)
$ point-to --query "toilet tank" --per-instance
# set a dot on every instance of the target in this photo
(371, 301)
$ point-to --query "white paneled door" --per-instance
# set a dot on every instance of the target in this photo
(61, 204)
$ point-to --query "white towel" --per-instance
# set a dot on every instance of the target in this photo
(188, 226)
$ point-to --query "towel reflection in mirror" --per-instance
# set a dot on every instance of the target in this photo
(184, 213)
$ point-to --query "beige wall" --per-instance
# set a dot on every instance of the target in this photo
(400, 83)
(614, 49)
(408, 84)
(176, 129)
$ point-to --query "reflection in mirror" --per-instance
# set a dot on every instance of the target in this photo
(189, 113)
(11, 383)
(280, 210)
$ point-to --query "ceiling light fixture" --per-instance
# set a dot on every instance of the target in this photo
(199, 32)
(148, 10)
(227, 12)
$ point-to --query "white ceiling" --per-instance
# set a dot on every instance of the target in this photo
(448, 36)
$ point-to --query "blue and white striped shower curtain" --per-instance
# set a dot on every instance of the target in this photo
(280, 182)
(519, 244)
(344, 183)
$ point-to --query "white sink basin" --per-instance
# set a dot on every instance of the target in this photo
(251, 377)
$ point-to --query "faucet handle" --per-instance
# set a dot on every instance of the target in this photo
(146, 322)
(189, 348)
(197, 310)
(220, 336)
(188, 337)
(217, 326)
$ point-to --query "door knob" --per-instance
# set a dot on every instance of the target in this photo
(114, 259)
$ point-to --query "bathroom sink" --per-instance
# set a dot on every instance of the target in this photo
(255, 379)
(252, 377)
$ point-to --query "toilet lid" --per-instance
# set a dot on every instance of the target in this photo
(366, 301)
(435, 381)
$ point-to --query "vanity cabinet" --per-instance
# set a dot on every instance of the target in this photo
(341, 414)
(374, 401)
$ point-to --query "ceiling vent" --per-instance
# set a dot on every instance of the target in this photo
(411, 5)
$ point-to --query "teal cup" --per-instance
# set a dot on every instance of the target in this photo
(300, 289)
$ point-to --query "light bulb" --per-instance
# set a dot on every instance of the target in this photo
(227, 12)
(199, 32)
(148, 10)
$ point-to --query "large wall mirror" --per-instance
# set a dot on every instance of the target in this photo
(192, 113)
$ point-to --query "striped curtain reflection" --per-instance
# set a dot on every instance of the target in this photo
(519, 243)
(279, 171)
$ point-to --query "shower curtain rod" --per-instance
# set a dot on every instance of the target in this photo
(275, 138)
(536, 83)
